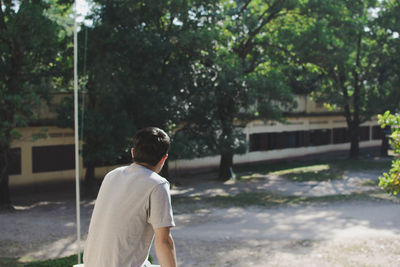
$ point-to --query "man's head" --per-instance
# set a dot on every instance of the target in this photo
(150, 146)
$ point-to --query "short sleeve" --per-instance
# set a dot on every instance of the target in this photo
(160, 214)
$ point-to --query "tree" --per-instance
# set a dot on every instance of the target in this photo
(240, 79)
(388, 81)
(342, 42)
(390, 182)
(29, 65)
(139, 69)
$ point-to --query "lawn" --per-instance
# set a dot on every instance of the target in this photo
(297, 171)
(313, 170)
(268, 200)
(61, 262)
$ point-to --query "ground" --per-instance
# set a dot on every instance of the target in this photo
(259, 220)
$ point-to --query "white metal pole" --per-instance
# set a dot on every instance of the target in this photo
(77, 182)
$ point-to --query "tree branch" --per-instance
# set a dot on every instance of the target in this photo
(341, 76)
(243, 47)
(244, 7)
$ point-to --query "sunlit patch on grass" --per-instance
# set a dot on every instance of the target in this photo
(306, 169)
(370, 182)
(251, 176)
(315, 170)
(316, 175)
(318, 172)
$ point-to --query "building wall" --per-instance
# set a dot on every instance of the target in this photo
(30, 144)
(45, 154)
(293, 124)
(51, 156)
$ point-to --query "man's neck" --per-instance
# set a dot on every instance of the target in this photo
(148, 166)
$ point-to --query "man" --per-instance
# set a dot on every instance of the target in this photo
(133, 207)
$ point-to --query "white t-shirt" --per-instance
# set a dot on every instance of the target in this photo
(131, 202)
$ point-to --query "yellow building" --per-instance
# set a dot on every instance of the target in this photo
(46, 153)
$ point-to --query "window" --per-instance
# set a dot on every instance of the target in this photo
(341, 135)
(320, 137)
(377, 132)
(258, 142)
(53, 158)
(293, 139)
(364, 133)
(281, 140)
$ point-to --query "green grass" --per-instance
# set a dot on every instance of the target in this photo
(315, 170)
(300, 171)
(10, 262)
(370, 183)
(61, 262)
(269, 200)
(321, 172)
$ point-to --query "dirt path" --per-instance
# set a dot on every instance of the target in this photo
(355, 233)
(340, 234)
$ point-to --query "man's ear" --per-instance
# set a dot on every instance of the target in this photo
(164, 158)
(160, 164)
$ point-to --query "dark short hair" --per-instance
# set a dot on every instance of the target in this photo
(150, 145)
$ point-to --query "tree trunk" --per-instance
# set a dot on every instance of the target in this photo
(5, 202)
(90, 189)
(354, 127)
(354, 141)
(225, 166)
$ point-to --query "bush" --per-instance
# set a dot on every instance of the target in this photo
(390, 182)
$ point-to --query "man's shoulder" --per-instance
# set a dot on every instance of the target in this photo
(138, 173)
(147, 174)
(158, 179)
(117, 170)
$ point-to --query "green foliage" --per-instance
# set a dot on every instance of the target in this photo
(140, 56)
(32, 63)
(347, 56)
(390, 181)
(111, 145)
(28, 65)
(240, 78)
